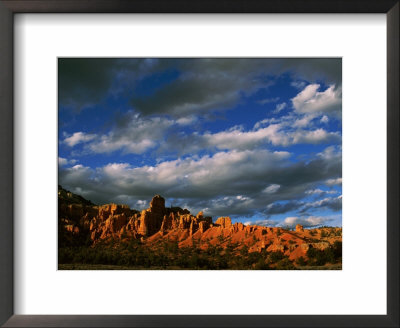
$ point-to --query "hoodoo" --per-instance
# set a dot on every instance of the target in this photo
(159, 223)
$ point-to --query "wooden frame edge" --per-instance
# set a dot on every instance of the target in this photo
(8, 8)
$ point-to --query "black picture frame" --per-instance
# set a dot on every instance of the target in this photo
(8, 201)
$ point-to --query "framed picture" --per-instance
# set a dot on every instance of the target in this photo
(214, 143)
(204, 169)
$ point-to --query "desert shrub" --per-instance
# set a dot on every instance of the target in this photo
(329, 255)
(285, 264)
(132, 253)
(316, 256)
(261, 265)
(231, 247)
(275, 256)
(300, 261)
(312, 252)
(244, 250)
(253, 258)
(222, 264)
(337, 249)
(321, 257)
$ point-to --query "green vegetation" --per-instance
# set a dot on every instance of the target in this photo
(324, 234)
(332, 254)
(301, 261)
(167, 255)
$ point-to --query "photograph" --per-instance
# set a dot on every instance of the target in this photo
(199, 163)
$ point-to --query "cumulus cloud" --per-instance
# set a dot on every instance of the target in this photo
(315, 137)
(298, 84)
(241, 168)
(310, 100)
(331, 152)
(132, 135)
(263, 223)
(71, 177)
(324, 119)
(201, 84)
(231, 180)
(188, 120)
(309, 222)
(136, 134)
(320, 192)
(78, 137)
(64, 161)
(202, 176)
(333, 182)
(303, 121)
(333, 203)
(280, 134)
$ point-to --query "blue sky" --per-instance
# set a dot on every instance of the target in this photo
(258, 140)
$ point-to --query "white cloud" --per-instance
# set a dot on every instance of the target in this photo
(141, 204)
(319, 191)
(315, 136)
(271, 189)
(333, 182)
(303, 122)
(107, 144)
(266, 121)
(63, 161)
(263, 223)
(279, 107)
(226, 183)
(78, 137)
(133, 135)
(186, 120)
(237, 138)
(331, 152)
(311, 101)
(232, 174)
(298, 84)
(283, 131)
(324, 119)
(314, 191)
(206, 172)
(77, 173)
(311, 221)
(334, 203)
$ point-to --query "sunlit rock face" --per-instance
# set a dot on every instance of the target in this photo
(80, 218)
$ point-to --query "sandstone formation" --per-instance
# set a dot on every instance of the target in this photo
(79, 217)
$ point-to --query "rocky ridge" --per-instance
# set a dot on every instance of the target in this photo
(159, 223)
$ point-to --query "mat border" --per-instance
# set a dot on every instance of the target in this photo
(10, 7)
